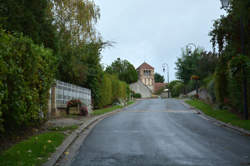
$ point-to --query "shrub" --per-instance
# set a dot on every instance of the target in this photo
(137, 95)
(221, 83)
(73, 103)
(84, 110)
(112, 89)
(26, 75)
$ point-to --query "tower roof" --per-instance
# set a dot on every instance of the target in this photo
(145, 66)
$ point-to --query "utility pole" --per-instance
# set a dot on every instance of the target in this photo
(164, 67)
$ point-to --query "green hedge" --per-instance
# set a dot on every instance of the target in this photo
(176, 88)
(229, 81)
(26, 74)
(111, 90)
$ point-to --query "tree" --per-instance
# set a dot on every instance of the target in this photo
(32, 18)
(176, 87)
(199, 62)
(124, 70)
(75, 20)
(159, 78)
(233, 65)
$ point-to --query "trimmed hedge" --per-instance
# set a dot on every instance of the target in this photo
(112, 89)
(26, 75)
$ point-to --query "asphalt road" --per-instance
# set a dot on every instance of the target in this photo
(161, 132)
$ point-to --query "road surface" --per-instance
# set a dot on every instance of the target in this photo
(162, 132)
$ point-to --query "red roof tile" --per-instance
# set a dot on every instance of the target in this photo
(145, 66)
(158, 86)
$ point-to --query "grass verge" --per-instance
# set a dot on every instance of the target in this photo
(33, 151)
(131, 102)
(222, 115)
(105, 110)
(70, 128)
(109, 109)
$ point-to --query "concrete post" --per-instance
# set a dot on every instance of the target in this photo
(53, 100)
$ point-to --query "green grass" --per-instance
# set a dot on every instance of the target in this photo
(222, 115)
(131, 102)
(33, 151)
(71, 128)
(105, 110)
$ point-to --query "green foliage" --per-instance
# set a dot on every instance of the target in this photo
(176, 87)
(64, 128)
(106, 110)
(75, 21)
(33, 151)
(27, 73)
(159, 78)
(229, 81)
(124, 70)
(221, 84)
(106, 91)
(226, 35)
(222, 115)
(30, 17)
(111, 90)
(199, 63)
(137, 95)
(227, 30)
(209, 85)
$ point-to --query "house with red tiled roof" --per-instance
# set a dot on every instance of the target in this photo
(158, 86)
(146, 75)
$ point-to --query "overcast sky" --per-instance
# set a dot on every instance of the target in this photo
(155, 31)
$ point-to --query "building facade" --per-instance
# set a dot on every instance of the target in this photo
(146, 75)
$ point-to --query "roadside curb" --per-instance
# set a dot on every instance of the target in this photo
(241, 130)
(73, 136)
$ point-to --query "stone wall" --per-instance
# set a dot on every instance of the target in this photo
(139, 87)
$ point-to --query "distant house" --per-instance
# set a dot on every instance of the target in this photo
(146, 75)
(158, 86)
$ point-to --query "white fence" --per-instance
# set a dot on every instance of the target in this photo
(65, 92)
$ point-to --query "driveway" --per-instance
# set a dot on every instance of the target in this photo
(162, 132)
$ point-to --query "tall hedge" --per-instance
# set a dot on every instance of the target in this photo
(26, 74)
(112, 90)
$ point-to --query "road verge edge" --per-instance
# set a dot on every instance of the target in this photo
(74, 135)
(223, 124)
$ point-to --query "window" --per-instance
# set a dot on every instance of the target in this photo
(147, 72)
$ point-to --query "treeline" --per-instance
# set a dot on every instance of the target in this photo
(44, 40)
(197, 64)
(221, 73)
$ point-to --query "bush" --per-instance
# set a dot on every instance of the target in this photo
(73, 103)
(112, 89)
(27, 73)
(137, 95)
(84, 110)
(221, 83)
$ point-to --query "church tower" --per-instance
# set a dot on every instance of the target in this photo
(146, 75)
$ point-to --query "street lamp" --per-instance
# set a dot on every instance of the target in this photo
(189, 47)
(164, 67)
(225, 5)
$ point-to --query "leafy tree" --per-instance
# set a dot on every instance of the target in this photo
(30, 17)
(124, 70)
(176, 88)
(27, 73)
(199, 63)
(75, 20)
(234, 62)
(159, 78)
